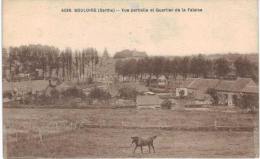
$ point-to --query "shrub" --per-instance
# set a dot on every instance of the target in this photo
(89, 80)
(213, 93)
(74, 92)
(98, 93)
(7, 94)
(248, 101)
(43, 99)
(54, 95)
(166, 104)
(127, 93)
(181, 92)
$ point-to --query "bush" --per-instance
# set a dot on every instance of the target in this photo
(127, 93)
(181, 92)
(213, 93)
(89, 80)
(54, 95)
(74, 92)
(98, 93)
(248, 101)
(166, 104)
(43, 99)
(7, 94)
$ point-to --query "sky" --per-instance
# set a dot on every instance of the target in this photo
(224, 26)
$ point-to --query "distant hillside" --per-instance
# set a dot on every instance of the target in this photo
(130, 54)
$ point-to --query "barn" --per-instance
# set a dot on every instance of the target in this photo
(229, 91)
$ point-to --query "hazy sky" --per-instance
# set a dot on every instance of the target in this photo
(223, 26)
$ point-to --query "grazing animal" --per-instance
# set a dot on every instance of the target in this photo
(140, 142)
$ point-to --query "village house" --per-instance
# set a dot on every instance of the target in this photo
(228, 91)
(195, 87)
(162, 81)
(155, 81)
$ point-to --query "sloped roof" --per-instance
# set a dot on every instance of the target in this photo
(238, 85)
(162, 77)
(241, 83)
(147, 100)
(234, 86)
(186, 82)
(225, 85)
(203, 84)
(251, 87)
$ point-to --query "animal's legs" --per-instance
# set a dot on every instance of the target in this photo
(149, 148)
(142, 149)
(135, 148)
(153, 148)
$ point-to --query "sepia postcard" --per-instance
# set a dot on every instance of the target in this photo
(130, 79)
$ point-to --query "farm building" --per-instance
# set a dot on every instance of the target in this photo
(155, 81)
(179, 85)
(148, 101)
(228, 90)
(196, 87)
(162, 81)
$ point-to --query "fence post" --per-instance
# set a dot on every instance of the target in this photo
(215, 123)
(40, 135)
(16, 137)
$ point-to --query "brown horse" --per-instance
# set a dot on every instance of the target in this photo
(143, 142)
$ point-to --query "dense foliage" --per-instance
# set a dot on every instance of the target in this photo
(66, 64)
(213, 93)
(128, 93)
(166, 104)
(98, 93)
(249, 101)
(74, 92)
(195, 66)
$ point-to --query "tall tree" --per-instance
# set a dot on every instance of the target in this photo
(184, 66)
(243, 67)
(221, 67)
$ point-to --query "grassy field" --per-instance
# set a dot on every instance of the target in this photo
(68, 133)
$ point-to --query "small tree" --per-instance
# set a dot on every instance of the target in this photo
(89, 80)
(54, 95)
(128, 93)
(166, 104)
(99, 94)
(181, 92)
(222, 67)
(74, 92)
(213, 93)
(248, 101)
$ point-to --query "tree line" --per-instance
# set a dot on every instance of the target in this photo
(66, 64)
(188, 66)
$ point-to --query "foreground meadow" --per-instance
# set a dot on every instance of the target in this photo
(107, 132)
